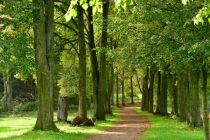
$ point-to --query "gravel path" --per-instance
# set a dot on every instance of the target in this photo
(131, 126)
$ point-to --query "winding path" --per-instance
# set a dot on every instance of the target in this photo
(131, 126)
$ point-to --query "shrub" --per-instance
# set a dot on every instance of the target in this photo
(30, 106)
(25, 107)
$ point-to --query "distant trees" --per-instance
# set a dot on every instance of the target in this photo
(176, 51)
(159, 50)
(16, 52)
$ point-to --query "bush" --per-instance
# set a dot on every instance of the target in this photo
(25, 107)
(30, 106)
(18, 108)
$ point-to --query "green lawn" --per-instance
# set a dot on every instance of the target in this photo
(165, 128)
(20, 128)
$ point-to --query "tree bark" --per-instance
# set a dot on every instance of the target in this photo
(174, 96)
(131, 86)
(62, 113)
(183, 90)
(193, 98)
(205, 103)
(158, 91)
(44, 54)
(151, 89)
(110, 83)
(145, 97)
(94, 60)
(117, 91)
(100, 114)
(162, 103)
(7, 98)
(140, 90)
(82, 64)
(123, 89)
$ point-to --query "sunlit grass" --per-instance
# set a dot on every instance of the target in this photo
(21, 128)
(165, 128)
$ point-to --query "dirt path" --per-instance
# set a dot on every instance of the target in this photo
(131, 126)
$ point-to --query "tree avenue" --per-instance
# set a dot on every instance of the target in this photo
(82, 58)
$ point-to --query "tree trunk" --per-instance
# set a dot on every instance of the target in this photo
(62, 113)
(183, 87)
(123, 89)
(193, 99)
(107, 99)
(131, 86)
(140, 90)
(82, 64)
(110, 83)
(158, 92)
(44, 52)
(7, 98)
(112, 96)
(151, 89)
(145, 97)
(117, 91)
(100, 114)
(162, 104)
(174, 96)
(205, 103)
(94, 60)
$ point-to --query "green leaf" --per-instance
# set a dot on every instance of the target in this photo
(85, 6)
(185, 2)
(92, 2)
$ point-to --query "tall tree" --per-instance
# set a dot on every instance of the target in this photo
(44, 53)
(94, 59)
(100, 114)
(82, 64)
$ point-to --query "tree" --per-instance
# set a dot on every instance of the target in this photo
(63, 106)
(131, 86)
(205, 103)
(16, 52)
(7, 99)
(100, 115)
(94, 60)
(82, 64)
(44, 53)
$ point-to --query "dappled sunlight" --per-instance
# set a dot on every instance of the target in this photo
(15, 126)
(21, 128)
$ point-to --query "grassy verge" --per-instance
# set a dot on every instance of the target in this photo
(165, 128)
(20, 128)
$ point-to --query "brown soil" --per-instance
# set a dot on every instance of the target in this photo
(131, 126)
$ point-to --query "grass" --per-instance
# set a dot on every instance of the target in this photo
(20, 128)
(165, 128)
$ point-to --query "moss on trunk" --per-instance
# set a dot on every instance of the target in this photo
(82, 64)
(44, 52)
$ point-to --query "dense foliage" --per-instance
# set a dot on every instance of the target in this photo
(94, 54)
